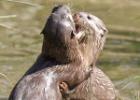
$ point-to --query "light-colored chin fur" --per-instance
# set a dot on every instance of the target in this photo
(94, 28)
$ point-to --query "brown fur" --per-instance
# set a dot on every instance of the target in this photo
(59, 70)
(98, 86)
(64, 61)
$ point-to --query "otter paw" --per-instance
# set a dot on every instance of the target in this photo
(63, 87)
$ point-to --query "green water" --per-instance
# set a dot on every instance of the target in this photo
(20, 40)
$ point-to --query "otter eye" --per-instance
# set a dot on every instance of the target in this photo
(80, 16)
(89, 17)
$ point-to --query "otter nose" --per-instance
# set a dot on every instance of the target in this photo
(76, 17)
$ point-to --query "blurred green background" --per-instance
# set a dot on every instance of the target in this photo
(20, 41)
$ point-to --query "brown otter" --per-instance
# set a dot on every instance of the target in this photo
(98, 86)
(65, 60)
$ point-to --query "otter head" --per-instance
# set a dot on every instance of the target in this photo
(60, 39)
(95, 34)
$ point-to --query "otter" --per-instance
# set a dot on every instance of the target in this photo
(98, 86)
(65, 60)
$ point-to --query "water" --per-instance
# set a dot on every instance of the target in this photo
(20, 40)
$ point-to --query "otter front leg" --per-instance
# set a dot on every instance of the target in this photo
(65, 91)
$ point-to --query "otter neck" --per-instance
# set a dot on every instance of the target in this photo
(70, 55)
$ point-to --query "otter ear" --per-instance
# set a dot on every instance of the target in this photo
(46, 27)
(105, 30)
(43, 31)
(47, 24)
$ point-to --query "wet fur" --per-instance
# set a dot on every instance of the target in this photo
(98, 86)
(37, 74)
(41, 81)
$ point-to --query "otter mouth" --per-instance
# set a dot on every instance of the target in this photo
(79, 32)
(78, 28)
